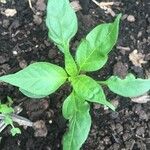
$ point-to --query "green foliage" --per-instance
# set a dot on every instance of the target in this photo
(89, 89)
(70, 65)
(41, 79)
(92, 52)
(61, 22)
(62, 25)
(15, 131)
(6, 111)
(128, 87)
(76, 110)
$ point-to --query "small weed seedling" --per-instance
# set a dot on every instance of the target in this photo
(6, 110)
(42, 78)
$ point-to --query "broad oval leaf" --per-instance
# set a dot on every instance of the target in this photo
(128, 87)
(77, 111)
(61, 22)
(31, 95)
(38, 78)
(92, 52)
(89, 89)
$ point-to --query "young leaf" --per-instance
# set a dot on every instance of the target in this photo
(69, 106)
(8, 120)
(77, 111)
(70, 65)
(92, 53)
(128, 87)
(39, 78)
(89, 89)
(61, 22)
(15, 131)
(4, 109)
(10, 101)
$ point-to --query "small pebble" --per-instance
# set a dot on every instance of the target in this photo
(114, 115)
(124, 17)
(52, 54)
(3, 59)
(119, 127)
(131, 18)
(10, 12)
(40, 129)
(116, 146)
(6, 23)
(50, 121)
(107, 140)
(15, 52)
(37, 19)
(140, 131)
(126, 136)
(139, 34)
(96, 106)
(40, 5)
(120, 69)
(143, 115)
(3, 1)
(47, 43)
(22, 64)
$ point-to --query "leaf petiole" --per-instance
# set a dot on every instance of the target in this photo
(102, 82)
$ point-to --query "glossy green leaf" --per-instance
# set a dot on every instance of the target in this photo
(77, 111)
(39, 78)
(92, 52)
(61, 22)
(89, 89)
(4, 109)
(128, 87)
(31, 95)
(70, 64)
(69, 106)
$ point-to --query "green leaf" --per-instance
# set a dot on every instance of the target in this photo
(70, 65)
(77, 111)
(69, 106)
(10, 101)
(92, 52)
(4, 109)
(89, 89)
(15, 131)
(39, 78)
(128, 87)
(61, 22)
(62, 25)
(31, 95)
(8, 120)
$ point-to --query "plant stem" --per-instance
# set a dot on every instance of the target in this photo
(102, 82)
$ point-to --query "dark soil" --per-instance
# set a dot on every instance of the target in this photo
(23, 39)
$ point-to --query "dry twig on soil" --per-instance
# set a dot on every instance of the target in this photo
(106, 6)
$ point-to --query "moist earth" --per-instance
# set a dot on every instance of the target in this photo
(24, 40)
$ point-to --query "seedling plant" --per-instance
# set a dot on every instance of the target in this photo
(41, 79)
(6, 111)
